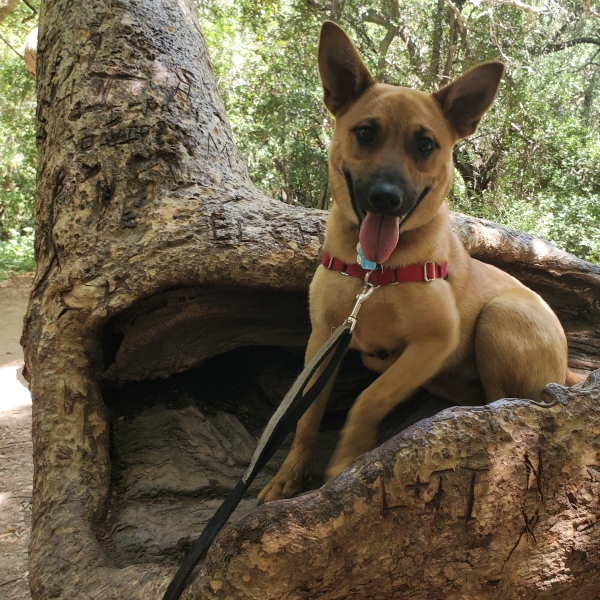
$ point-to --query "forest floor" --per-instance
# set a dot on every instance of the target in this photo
(16, 464)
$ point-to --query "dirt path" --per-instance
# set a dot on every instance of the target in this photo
(16, 465)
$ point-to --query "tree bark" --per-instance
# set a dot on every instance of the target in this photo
(156, 253)
(436, 42)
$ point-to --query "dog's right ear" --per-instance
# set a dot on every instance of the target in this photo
(467, 99)
(343, 73)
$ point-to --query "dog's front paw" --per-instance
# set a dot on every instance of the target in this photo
(283, 485)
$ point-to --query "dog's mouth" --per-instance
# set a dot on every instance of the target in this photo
(379, 233)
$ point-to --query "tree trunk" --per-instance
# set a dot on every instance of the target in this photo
(158, 258)
(438, 31)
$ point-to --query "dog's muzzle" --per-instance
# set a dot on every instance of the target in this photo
(384, 193)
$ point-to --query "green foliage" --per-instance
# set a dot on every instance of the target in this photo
(17, 148)
(16, 255)
(547, 180)
(263, 57)
(533, 163)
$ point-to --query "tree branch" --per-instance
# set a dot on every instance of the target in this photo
(392, 32)
(11, 47)
(394, 27)
(384, 45)
(590, 10)
(569, 44)
(457, 15)
(533, 9)
(434, 65)
(6, 7)
(451, 46)
(337, 7)
(33, 14)
(313, 6)
(373, 16)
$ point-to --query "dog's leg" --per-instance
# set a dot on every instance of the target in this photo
(520, 346)
(289, 478)
(419, 362)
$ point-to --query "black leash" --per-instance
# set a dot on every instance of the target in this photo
(292, 407)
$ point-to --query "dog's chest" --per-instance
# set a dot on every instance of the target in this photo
(380, 327)
(390, 318)
(379, 330)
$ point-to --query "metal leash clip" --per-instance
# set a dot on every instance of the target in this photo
(351, 320)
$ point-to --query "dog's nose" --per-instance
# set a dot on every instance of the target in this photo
(385, 197)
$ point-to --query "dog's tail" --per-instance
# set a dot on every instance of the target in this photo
(572, 378)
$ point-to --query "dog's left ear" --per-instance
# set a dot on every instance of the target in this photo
(468, 98)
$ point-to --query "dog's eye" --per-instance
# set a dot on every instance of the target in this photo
(365, 134)
(425, 145)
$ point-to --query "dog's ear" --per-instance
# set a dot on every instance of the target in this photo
(343, 73)
(467, 99)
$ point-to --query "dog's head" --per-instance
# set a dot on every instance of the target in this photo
(390, 160)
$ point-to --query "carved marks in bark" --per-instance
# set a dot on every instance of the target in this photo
(429, 494)
(532, 496)
(225, 227)
(451, 492)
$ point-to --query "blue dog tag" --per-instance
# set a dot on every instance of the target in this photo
(367, 265)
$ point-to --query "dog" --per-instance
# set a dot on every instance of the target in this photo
(462, 329)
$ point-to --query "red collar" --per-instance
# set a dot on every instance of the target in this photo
(386, 275)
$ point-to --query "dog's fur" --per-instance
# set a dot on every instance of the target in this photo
(476, 337)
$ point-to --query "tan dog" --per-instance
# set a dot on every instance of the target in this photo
(473, 337)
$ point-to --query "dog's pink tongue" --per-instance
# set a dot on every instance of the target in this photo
(378, 236)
